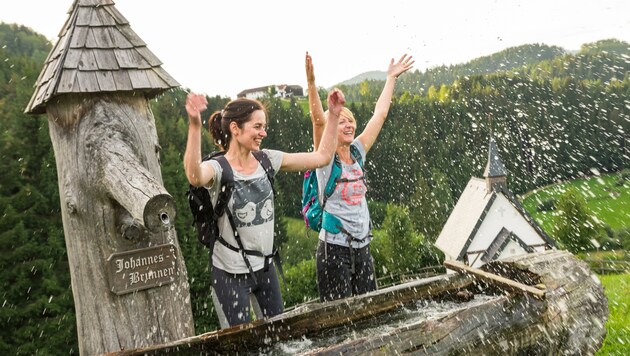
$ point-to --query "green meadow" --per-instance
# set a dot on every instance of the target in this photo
(617, 288)
(607, 197)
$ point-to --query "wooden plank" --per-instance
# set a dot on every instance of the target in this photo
(132, 36)
(149, 56)
(139, 79)
(90, 41)
(87, 82)
(119, 40)
(105, 81)
(126, 58)
(79, 37)
(88, 60)
(121, 78)
(72, 58)
(104, 17)
(166, 77)
(116, 15)
(155, 80)
(50, 69)
(106, 59)
(67, 81)
(497, 280)
(102, 38)
(84, 15)
(313, 318)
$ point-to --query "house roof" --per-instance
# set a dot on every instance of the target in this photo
(466, 217)
(97, 51)
(495, 166)
(500, 242)
(266, 88)
(529, 218)
(253, 90)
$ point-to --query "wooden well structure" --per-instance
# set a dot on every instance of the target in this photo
(129, 280)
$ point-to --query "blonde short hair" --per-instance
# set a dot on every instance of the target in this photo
(345, 112)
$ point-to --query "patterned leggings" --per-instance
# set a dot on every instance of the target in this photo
(233, 291)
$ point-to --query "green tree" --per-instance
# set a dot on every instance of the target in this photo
(397, 248)
(574, 226)
(431, 204)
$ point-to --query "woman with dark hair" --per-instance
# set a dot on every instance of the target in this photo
(240, 129)
(344, 261)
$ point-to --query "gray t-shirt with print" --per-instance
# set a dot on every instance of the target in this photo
(252, 207)
(347, 203)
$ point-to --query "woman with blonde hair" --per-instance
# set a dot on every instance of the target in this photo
(344, 263)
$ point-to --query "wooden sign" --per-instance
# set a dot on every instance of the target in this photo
(140, 269)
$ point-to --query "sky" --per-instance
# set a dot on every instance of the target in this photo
(223, 47)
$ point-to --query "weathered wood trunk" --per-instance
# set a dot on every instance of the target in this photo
(569, 318)
(129, 280)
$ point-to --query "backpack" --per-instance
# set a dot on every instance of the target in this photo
(312, 209)
(206, 216)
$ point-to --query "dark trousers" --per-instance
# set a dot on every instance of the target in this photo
(336, 277)
(233, 291)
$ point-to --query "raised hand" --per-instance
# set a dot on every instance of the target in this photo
(336, 101)
(404, 64)
(310, 71)
(195, 104)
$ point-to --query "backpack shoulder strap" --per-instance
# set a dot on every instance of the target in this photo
(356, 155)
(227, 184)
(265, 162)
(335, 173)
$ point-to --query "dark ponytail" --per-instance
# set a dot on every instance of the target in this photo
(216, 130)
(239, 111)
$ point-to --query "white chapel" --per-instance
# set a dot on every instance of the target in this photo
(488, 223)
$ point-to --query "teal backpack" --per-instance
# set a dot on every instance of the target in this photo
(315, 217)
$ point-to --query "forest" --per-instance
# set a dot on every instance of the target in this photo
(556, 116)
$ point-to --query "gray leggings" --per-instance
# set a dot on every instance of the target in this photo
(336, 277)
(233, 291)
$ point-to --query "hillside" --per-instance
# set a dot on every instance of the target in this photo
(373, 75)
(419, 82)
(601, 60)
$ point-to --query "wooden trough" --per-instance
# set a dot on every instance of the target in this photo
(541, 303)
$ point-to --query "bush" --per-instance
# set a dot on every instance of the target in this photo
(377, 213)
(301, 283)
(547, 205)
(574, 226)
(623, 177)
(623, 236)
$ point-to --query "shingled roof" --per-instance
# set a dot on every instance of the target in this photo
(97, 51)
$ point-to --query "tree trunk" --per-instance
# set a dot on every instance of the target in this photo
(129, 280)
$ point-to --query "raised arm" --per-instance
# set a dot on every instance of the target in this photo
(198, 173)
(314, 103)
(324, 154)
(374, 126)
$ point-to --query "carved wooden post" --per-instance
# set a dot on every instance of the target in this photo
(129, 280)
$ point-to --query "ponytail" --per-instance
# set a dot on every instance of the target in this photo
(216, 130)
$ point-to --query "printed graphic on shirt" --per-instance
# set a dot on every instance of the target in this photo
(253, 202)
(352, 188)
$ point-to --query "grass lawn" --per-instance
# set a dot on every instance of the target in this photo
(609, 202)
(617, 290)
